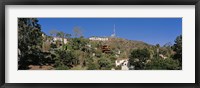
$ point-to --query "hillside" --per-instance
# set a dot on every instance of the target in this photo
(123, 45)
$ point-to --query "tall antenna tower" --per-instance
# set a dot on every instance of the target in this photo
(113, 35)
(114, 30)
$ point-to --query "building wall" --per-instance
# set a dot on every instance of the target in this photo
(59, 39)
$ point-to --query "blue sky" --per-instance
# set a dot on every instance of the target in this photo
(149, 30)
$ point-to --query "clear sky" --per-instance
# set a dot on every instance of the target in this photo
(149, 30)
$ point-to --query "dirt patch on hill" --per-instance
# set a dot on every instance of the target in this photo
(38, 67)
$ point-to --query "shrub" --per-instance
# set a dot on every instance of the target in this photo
(105, 64)
(65, 58)
(138, 58)
(92, 66)
(162, 64)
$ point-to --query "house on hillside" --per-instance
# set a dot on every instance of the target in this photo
(54, 39)
(123, 63)
(162, 56)
(59, 39)
(106, 49)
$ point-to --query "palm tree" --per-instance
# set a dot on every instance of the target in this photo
(77, 31)
(68, 35)
(157, 49)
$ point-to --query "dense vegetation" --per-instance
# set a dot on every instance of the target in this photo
(79, 53)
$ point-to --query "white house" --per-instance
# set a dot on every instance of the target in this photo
(59, 39)
(162, 56)
(123, 63)
(55, 39)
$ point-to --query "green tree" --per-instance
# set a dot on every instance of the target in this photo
(157, 50)
(29, 42)
(93, 66)
(78, 43)
(177, 47)
(65, 59)
(162, 64)
(158, 45)
(138, 58)
(104, 64)
(68, 36)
